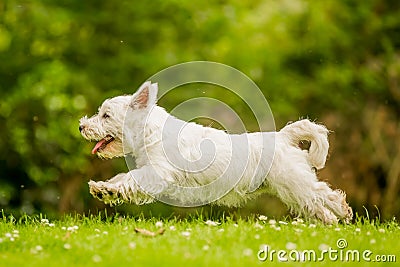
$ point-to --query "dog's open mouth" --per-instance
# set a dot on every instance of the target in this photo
(102, 144)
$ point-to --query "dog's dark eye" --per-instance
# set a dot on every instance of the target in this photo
(105, 116)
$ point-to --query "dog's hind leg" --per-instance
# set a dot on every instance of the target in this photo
(307, 196)
(301, 191)
(335, 201)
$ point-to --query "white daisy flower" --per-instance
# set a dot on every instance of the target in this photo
(96, 258)
(212, 223)
(290, 246)
(132, 245)
(247, 252)
(258, 226)
(323, 247)
(185, 234)
(262, 218)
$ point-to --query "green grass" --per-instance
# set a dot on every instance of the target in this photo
(93, 241)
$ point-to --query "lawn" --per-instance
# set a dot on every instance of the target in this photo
(196, 241)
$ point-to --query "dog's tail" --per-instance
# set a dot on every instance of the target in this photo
(317, 135)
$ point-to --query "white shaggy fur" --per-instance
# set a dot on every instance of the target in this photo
(188, 164)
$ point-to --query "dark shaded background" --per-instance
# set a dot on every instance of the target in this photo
(334, 61)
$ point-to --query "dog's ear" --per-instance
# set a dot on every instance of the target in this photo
(145, 96)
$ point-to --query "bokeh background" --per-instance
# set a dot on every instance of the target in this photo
(336, 62)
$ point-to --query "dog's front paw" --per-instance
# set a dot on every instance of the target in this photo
(106, 192)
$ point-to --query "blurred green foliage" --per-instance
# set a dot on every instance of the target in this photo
(334, 61)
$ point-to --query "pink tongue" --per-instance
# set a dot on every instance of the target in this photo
(99, 144)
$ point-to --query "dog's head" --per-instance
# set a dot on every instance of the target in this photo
(107, 126)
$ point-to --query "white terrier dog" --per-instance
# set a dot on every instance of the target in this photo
(188, 164)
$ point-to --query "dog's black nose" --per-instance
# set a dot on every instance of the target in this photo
(80, 128)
